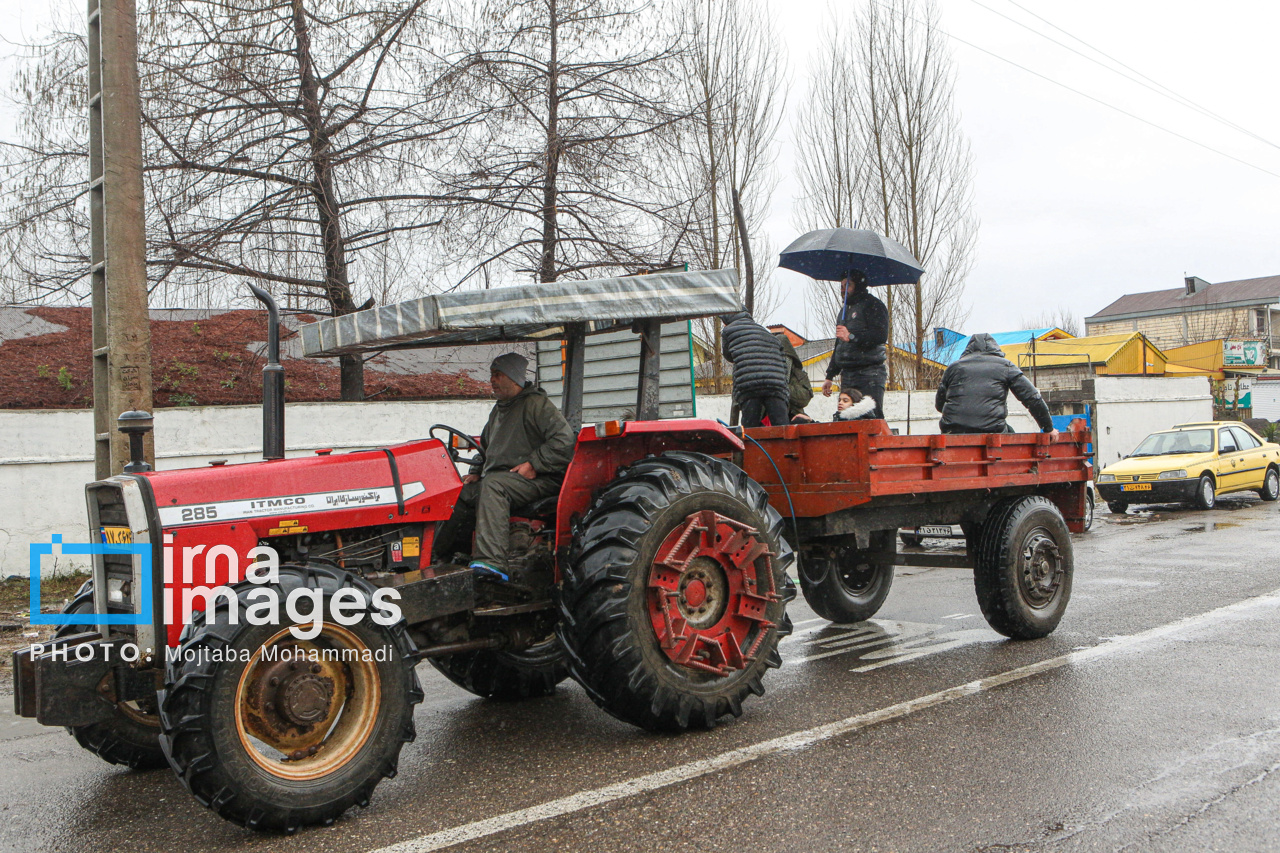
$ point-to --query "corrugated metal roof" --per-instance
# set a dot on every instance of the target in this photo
(1122, 353)
(530, 312)
(1265, 290)
(952, 351)
(813, 349)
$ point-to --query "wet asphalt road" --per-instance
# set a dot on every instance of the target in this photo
(1150, 721)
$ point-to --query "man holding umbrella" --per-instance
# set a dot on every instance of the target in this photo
(861, 259)
(861, 334)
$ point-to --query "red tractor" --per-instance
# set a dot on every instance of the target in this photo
(657, 579)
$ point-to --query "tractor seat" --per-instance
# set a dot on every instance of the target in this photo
(543, 509)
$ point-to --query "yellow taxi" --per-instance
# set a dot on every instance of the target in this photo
(1193, 463)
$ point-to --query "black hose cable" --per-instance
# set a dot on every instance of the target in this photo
(795, 528)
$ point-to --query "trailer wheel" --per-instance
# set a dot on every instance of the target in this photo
(1024, 566)
(131, 737)
(674, 596)
(273, 732)
(507, 676)
(843, 585)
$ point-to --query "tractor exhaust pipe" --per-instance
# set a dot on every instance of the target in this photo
(272, 382)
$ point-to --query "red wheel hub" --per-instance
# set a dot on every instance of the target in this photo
(695, 594)
(710, 588)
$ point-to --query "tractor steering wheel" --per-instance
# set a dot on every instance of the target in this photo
(455, 441)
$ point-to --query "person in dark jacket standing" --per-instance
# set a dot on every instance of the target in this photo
(527, 448)
(760, 371)
(861, 334)
(972, 394)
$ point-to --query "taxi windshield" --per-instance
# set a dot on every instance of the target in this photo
(1181, 441)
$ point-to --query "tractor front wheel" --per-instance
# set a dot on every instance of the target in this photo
(275, 732)
(131, 736)
(674, 598)
(507, 676)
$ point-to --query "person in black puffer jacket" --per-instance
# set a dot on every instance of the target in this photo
(760, 370)
(972, 393)
(862, 330)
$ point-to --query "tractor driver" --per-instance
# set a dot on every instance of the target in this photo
(527, 445)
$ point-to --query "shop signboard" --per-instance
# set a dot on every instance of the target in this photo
(1244, 354)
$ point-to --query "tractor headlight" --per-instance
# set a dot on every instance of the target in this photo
(1180, 474)
(1106, 478)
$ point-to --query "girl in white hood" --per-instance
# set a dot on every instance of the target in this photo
(852, 406)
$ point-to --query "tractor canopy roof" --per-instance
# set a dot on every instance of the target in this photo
(531, 312)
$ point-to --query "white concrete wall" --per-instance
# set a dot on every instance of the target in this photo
(1129, 408)
(47, 456)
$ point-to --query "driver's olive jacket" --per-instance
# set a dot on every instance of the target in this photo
(526, 428)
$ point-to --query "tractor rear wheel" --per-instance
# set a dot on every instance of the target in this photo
(131, 736)
(674, 597)
(275, 732)
(844, 585)
(507, 676)
(1023, 567)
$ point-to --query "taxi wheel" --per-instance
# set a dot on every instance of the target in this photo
(1270, 485)
(1205, 497)
(1117, 507)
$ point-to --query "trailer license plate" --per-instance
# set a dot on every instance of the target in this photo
(1136, 487)
(117, 536)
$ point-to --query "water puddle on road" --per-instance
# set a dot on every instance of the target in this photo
(884, 642)
(1209, 526)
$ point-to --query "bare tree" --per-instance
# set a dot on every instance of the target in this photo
(725, 151)
(900, 159)
(1061, 317)
(281, 139)
(559, 174)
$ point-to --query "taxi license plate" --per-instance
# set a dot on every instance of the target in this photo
(117, 536)
(1136, 487)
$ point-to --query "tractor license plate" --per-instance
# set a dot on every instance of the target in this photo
(934, 530)
(117, 536)
(1136, 487)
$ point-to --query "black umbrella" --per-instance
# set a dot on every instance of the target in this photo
(831, 252)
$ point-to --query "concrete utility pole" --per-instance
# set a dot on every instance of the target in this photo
(121, 327)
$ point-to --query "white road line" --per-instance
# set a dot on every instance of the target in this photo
(798, 740)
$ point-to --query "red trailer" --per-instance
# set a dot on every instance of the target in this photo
(848, 486)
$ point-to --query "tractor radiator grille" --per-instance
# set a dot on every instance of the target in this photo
(118, 567)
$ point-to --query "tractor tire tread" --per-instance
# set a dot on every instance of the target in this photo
(186, 727)
(602, 653)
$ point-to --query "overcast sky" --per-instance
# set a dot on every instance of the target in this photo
(1077, 202)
